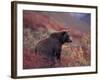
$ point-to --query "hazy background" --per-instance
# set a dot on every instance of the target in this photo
(79, 21)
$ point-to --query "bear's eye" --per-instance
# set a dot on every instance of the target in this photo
(66, 36)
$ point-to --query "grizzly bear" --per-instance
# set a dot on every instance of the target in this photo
(51, 46)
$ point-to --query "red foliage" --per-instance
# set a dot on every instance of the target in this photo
(32, 60)
(79, 52)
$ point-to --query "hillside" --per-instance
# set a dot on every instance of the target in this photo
(38, 26)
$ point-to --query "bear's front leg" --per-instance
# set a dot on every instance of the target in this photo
(58, 57)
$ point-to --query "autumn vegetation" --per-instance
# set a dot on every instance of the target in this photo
(38, 26)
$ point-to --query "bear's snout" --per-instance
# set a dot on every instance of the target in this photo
(69, 41)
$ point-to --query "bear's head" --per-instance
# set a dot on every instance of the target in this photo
(63, 37)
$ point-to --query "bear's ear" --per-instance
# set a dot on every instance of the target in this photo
(58, 35)
(63, 33)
